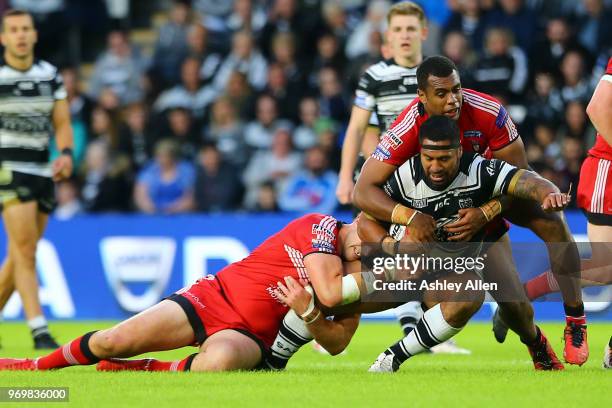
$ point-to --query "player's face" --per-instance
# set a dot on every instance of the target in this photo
(405, 36)
(19, 36)
(440, 166)
(443, 96)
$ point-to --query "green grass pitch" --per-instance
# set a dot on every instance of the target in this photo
(494, 376)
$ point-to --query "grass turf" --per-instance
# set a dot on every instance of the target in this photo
(494, 375)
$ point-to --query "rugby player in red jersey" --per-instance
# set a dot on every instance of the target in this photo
(232, 316)
(486, 128)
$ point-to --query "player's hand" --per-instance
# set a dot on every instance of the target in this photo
(294, 295)
(421, 228)
(471, 220)
(62, 167)
(344, 190)
(556, 202)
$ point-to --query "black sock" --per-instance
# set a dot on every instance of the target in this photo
(85, 347)
(408, 324)
(574, 311)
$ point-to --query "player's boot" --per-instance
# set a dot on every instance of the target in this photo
(44, 341)
(117, 364)
(607, 361)
(385, 363)
(576, 349)
(500, 330)
(543, 355)
(17, 364)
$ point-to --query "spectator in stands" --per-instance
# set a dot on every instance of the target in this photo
(240, 95)
(335, 20)
(548, 52)
(197, 42)
(188, 94)
(327, 134)
(105, 127)
(312, 189)
(374, 20)
(166, 185)
(68, 203)
(246, 16)
(574, 85)
(305, 135)
(214, 13)
(332, 102)
(226, 131)
(171, 47)
(518, 18)
(217, 184)
(286, 95)
(546, 137)
(544, 103)
(284, 55)
(593, 28)
(284, 17)
(576, 124)
(573, 156)
(458, 49)
(245, 58)
(135, 138)
(105, 180)
(470, 20)
(503, 70)
(276, 164)
(329, 54)
(359, 64)
(80, 104)
(120, 68)
(258, 133)
(183, 131)
(267, 201)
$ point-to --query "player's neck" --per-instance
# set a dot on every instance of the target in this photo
(408, 62)
(20, 64)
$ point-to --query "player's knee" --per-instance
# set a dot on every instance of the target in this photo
(221, 357)
(24, 251)
(111, 343)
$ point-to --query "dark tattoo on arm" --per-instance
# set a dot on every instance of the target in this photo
(529, 185)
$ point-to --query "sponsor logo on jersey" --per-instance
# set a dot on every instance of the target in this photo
(381, 153)
(44, 89)
(502, 116)
(25, 85)
(317, 229)
(322, 245)
(394, 139)
(466, 203)
(491, 168)
(419, 203)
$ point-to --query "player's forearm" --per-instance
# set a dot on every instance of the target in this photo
(529, 185)
(350, 150)
(334, 335)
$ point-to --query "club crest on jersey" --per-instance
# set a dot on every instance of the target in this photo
(502, 116)
(419, 203)
(466, 203)
(317, 229)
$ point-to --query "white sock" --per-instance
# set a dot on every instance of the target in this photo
(408, 315)
(292, 335)
(38, 325)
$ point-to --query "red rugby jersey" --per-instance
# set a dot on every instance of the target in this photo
(484, 123)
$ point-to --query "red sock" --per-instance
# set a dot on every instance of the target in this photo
(541, 285)
(180, 365)
(76, 352)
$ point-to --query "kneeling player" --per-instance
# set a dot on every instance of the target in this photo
(233, 316)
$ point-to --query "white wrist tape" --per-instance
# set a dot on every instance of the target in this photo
(311, 305)
(350, 290)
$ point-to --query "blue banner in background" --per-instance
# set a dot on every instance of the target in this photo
(111, 266)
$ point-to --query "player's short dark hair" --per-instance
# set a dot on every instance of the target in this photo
(439, 129)
(12, 13)
(438, 65)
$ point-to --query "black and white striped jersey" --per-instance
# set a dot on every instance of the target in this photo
(477, 182)
(386, 89)
(26, 104)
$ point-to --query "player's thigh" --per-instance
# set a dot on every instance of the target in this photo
(163, 326)
(501, 271)
(21, 231)
(227, 350)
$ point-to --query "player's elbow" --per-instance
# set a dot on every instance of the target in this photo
(329, 299)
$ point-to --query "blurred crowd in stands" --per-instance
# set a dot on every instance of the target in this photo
(241, 105)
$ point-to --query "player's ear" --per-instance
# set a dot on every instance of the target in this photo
(424, 33)
(422, 96)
